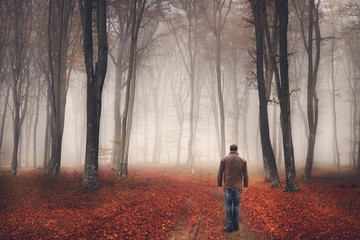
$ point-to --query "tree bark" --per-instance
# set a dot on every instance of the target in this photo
(312, 100)
(137, 9)
(291, 182)
(3, 119)
(268, 154)
(333, 103)
(47, 145)
(117, 118)
(95, 82)
(36, 123)
(59, 80)
(20, 82)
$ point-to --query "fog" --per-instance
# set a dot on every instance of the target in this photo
(163, 95)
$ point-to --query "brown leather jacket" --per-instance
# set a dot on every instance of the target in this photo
(234, 169)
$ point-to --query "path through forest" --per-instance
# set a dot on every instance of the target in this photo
(184, 231)
(171, 203)
(202, 188)
(156, 203)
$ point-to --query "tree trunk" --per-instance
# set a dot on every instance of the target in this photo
(192, 100)
(220, 96)
(95, 83)
(36, 123)
(155, 156)
(137, 13)
(145, 125)
(291, 183)
(3, 119)
(236, 100)
(20, 81)
(117, 117)
(27, 134)
(47, 134)
(16, 134)
(268, 154)
(333, 103)
(354, 127)
(59, 81)
(312, 101)
(245, 116)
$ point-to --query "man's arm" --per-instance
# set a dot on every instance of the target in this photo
(220, 174)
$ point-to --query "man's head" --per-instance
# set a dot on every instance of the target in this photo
(233, 148)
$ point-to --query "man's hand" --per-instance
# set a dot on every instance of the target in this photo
(220, 189)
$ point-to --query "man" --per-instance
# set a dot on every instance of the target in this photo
(234, 169)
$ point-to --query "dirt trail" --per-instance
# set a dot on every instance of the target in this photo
(243, 232)
(184, 231)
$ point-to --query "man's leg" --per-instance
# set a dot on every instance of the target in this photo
(229, 212)
(236, 211)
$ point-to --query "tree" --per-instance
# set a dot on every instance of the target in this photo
(21, 13)
(313, 67)
(283, 90)
(216, 25)
(351, 64)
(137, 10)
(180, 93)
(268, 154)
(121, 23)
(5, 28)
(333, 95)
(95, 81)
(58, 29)
(188, 51)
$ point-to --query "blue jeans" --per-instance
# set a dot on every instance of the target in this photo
(232, 199)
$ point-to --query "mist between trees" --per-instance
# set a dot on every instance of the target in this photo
(177, 82)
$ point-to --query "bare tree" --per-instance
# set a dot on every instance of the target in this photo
(180, 93)
(137, 10)
(95, 82)
(5, 28)
(119, 54)
(333, 95)
(268, 154)
(188, 51)
(313, 67)
(216, 24)
(19, 55)
(58, 29)
(284, 96)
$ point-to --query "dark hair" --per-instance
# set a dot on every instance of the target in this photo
(233, 147)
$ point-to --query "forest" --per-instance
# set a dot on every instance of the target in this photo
(115, 114)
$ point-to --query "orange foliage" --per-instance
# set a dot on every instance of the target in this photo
(155, 204)
(146, 206)
(323, 209)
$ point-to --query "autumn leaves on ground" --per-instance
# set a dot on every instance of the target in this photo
(173, 204)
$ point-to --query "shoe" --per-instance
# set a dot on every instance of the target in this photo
(236, 229)
(227, 230)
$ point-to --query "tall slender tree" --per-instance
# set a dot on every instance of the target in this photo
(188, 51)
(95, 74)
(268, 154)
(119, 54)
(58, 39)
(290, 173)
(137, 10)
(220, 12)
(313, 67)
(21, 13)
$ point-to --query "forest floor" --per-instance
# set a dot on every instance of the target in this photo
(170, 203)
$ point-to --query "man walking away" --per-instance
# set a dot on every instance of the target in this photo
(234, 169)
